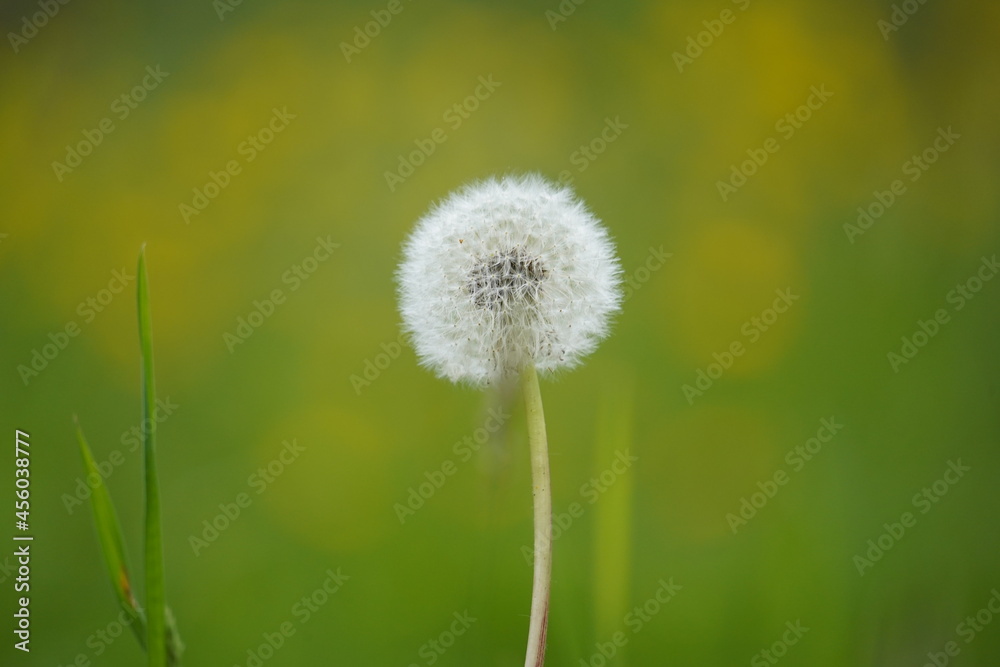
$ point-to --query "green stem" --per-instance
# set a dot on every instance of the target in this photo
(538, 623)
(156, 625)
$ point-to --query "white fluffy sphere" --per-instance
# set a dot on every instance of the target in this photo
(507, 272)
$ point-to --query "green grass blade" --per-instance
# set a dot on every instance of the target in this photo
(156, 628)
(109, 533)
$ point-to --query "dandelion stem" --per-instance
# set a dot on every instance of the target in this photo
(538, 623)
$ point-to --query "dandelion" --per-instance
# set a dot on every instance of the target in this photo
(504, 278)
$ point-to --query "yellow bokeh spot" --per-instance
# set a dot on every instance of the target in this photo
(336, 495)
(715, 456)
(727, 273)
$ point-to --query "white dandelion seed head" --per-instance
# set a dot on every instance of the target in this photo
(506, 272)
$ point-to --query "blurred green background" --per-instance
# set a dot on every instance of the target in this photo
(682, 127)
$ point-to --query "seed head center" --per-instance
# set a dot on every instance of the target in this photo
(505, 279)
